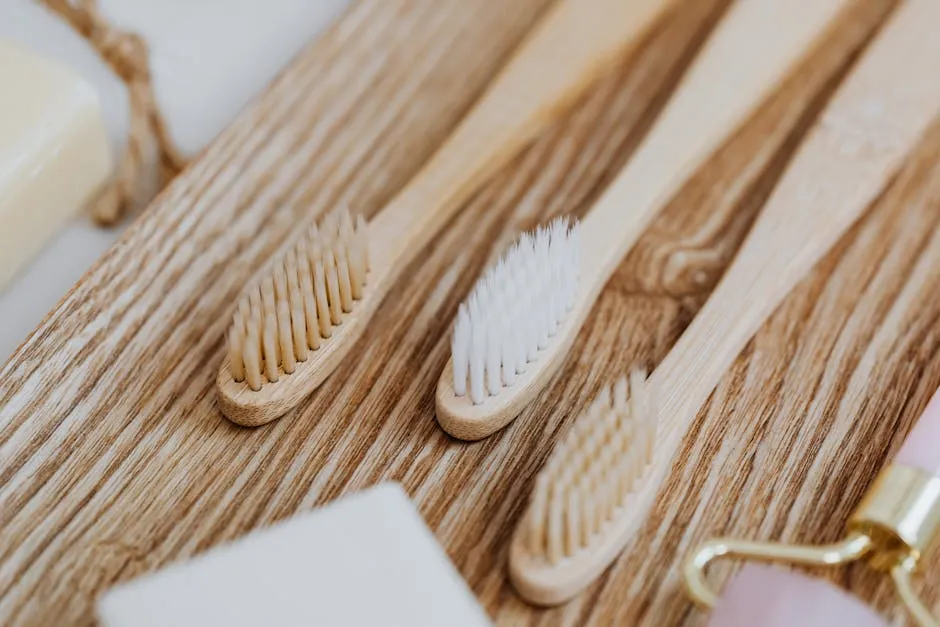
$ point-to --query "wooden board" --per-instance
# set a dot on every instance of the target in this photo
(114, 459)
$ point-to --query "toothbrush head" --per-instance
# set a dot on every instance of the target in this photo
(578, 517)
(285, 321)
(507, 326)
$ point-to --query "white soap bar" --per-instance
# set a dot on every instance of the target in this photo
(365, 560)
(54, 152)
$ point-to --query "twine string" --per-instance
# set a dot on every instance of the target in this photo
(128, 56)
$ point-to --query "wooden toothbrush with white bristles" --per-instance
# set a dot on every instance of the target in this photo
(292, 330)
(600, 484)
(522, 317)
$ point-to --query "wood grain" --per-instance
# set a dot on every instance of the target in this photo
(115, 460)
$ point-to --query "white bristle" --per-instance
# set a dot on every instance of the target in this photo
(278, 322)
(592, 471)
(460, 347)
(514, 310)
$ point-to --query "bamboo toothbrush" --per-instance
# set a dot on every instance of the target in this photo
(292, 330)
(855, 148)
(521, 318)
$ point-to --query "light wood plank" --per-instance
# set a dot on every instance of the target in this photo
(114, 458)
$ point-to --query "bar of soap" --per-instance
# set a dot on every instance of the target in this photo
(365, 560)
(54, 152)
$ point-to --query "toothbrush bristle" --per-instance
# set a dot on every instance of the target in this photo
(279, 321)
(514, 310)
(592, 471)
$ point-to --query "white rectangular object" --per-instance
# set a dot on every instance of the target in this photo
(365, 560)
(54, 152)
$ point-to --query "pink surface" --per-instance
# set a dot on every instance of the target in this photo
(764, 596)
(922, 447)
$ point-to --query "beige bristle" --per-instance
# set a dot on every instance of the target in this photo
(236, 339)
(319, 287)
(252, 358)
(592, 471)
(295, 307)
(342, 271)
(332, 284)
(285, 339)
(308, 295)
(269, 340)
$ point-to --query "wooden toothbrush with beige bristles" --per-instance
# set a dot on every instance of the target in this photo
(521, 318)
(602, 480)
(291, 331)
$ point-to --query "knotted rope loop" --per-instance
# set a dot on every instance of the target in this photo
(128, 56)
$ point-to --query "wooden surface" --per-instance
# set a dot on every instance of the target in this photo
(115, 460)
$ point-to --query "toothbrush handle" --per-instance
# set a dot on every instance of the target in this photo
(873, 122)
(722, 88)
(565, 53)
